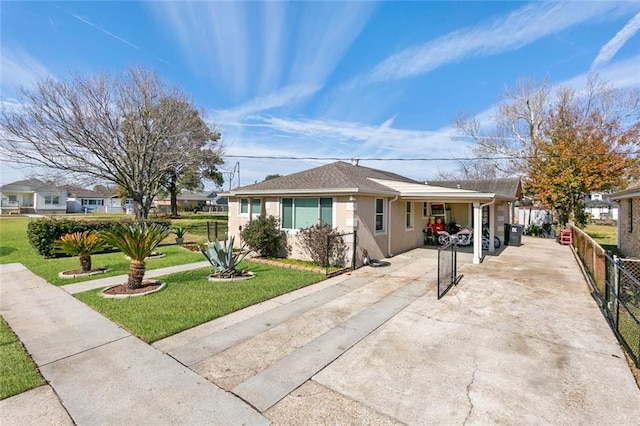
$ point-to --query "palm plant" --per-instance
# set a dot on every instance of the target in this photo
(81, 244)
(180, 232)
(138, 242)
(222, 257)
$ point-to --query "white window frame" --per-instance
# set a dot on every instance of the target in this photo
(384, 216)
(250, 202)
(293, 212)
(51, 200)
(408, 214)
(425, 210)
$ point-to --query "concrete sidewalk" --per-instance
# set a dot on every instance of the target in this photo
(119, 279)
(101, 373)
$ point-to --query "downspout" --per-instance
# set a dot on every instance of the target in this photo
(389, 254)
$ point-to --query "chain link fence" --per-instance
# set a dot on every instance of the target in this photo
(616, 285)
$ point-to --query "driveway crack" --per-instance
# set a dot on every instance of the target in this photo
(473, 378)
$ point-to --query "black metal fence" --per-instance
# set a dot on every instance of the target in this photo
(622, 302)
(346, 252)
(616, 288)
(447, 268)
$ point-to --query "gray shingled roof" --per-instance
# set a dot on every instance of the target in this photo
(78, 192)
(509, 187)
(27, 185)
(338, 175)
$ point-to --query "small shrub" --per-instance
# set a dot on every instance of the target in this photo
(81, 244)
(42, 233)
(137, 240)
(223, 258)
(179, 231)
(533, 230)
(324, 245)
(264, 236)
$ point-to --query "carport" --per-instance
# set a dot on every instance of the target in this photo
(477, 200)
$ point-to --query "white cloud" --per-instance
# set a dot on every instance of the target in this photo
(615, 44)
(286, 96)
(19, 69)
(621, 74)
(289, 43)
(517, 29)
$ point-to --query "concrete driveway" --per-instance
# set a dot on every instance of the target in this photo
(518, 341)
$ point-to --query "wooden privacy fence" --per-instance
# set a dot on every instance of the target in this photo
(592, 256)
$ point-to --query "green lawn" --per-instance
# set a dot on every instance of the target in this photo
(606, 236)
(190, 299)
(18, 373)
(14, 247)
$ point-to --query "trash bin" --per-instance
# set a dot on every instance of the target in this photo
(507, 232)
(515, 235)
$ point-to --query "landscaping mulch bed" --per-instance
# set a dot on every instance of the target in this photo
(317, 270)
(147, 286)
(81, 273)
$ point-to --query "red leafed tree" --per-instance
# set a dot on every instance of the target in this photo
(579, 152)
(563, 142)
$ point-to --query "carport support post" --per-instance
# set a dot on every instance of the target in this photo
(477, 233)
(492, 227)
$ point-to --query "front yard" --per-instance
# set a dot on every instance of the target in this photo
(188, 300)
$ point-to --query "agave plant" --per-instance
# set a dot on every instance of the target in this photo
(81, 244)
(138, 242)
(223, 258)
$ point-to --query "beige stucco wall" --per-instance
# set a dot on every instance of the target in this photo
(629, 241)
(344, 217)
(359, 214)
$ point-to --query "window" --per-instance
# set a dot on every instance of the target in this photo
(409, 216)
(256, 206)
(51, 199)
(92, 202)
(630, 213)
(299, 213)
(425, 210)
(379, 215)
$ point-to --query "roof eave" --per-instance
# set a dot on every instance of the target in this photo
(307, 192)
(623, 195)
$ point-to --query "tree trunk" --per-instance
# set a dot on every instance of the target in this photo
(85, 263)
(136, 274)
(172, 187)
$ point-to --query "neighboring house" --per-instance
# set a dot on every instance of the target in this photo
(388, 211)
(599, 206)
(628, 221)
(80, 200)
(217, 203)
(32, 196)
(186, 200)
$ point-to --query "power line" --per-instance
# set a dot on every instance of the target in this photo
(505, 157)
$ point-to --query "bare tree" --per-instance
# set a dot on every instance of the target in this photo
(114, 128)
(564, 142)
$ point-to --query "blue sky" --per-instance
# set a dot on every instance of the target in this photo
(327, 79)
